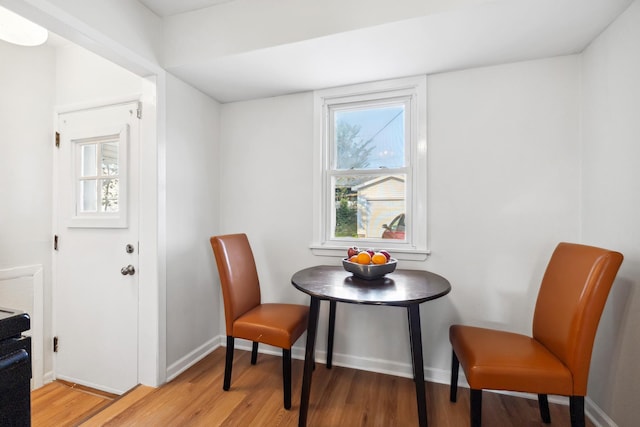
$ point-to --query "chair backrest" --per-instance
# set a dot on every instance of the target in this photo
(238, 276)
(572, 296)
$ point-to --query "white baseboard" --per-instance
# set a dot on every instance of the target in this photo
(192, 358)
(597, 416)
(47, 378)
(297, 352)
(440, 376)
(592, 411)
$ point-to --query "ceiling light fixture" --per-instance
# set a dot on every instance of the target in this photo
(18, 30)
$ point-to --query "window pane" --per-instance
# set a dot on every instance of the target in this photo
(88, 195)
(88, 160)
(110, 158)
(110, 195)
(395, 229)
(370, 138)
(364, 205)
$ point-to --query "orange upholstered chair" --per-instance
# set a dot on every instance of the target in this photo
(246, 317)
(555, 360)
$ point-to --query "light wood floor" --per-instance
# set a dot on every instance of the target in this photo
(339, 397)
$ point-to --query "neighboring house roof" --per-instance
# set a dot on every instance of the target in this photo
(376, 181)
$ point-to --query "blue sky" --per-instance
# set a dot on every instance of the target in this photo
(386, 126)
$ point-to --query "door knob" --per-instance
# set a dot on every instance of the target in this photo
(129, 269)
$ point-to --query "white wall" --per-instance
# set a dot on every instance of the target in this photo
(192, 191)
(26, 137)
(503, 149)
(84, 77)
(265, 184)
(27, 85)
(611, 206)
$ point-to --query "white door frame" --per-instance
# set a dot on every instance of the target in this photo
(152, 365)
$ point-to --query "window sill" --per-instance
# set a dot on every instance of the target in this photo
(399, 254)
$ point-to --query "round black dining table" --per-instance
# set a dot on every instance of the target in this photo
(402, 288)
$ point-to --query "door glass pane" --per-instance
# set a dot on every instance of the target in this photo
(88, 160)
(370, 138)
(110, 195)
(110, 158)
(88, 195)
(369, 207)
(100, 179)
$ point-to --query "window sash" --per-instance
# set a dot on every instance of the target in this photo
(330, 217)
(361, 105)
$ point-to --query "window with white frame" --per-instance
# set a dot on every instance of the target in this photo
(370, 161)
(98, 161)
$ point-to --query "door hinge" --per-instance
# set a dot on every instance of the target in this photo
(55, 344)
(139, 110)
(55, 242)
(57, 139)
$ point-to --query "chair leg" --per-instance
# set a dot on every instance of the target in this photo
(476, 408)
(286, 377)
(576, 410)
(254, 353)
(543, 404)
(453, 387)
(228, 364)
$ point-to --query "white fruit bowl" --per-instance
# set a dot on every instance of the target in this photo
(370, 271)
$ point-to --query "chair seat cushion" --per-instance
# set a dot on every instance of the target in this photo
(279, 325)
(501, 360)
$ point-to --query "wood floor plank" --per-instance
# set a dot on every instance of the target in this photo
(58, 404)
(117, 407)
(339, 397)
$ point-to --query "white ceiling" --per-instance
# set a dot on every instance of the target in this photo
(469, 34)
(172, 7)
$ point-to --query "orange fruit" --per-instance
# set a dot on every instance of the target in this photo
(363, 258)
(378, 258)
(354, 259)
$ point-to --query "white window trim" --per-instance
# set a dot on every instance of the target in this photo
(416, 248)
(100, 219)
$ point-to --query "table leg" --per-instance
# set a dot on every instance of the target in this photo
(413, 365)
(415, 333)
(312, 330)
(332, 328)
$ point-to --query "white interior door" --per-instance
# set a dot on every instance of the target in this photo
(95, 295)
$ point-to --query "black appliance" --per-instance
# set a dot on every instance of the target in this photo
(15, 368)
